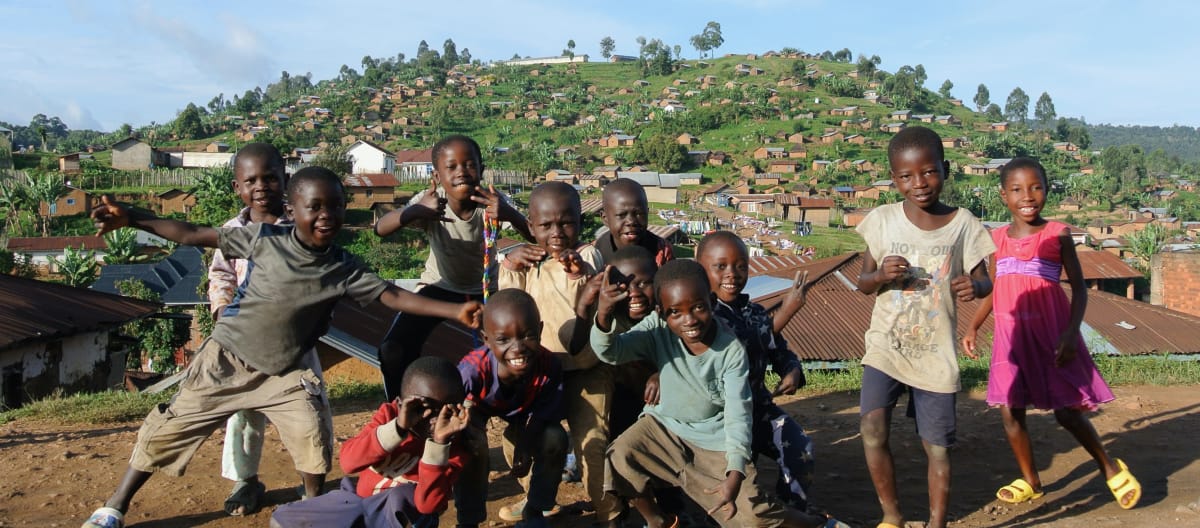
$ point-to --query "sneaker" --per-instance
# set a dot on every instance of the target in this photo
(105, 518)
(516, 512)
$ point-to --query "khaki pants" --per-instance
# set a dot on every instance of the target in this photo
(649, 455)
(588, 397)
(218, 384)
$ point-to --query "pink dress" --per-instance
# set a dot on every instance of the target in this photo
(1031, 310)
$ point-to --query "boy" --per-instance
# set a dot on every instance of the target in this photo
(624, 213)
(702, 422)
(451, 213)
(258, 179)
(554, 273)
(921, 255)
(257, 355)
(407, 457)
(776, 435)
(513, 378)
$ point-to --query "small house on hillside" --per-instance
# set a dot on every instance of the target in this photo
(660, 188)
(784, 166)
(366, 156)
(134, 154)
(364, 190)
(40, 249)
(816, 211)
(173, 201)
(75, 201)
(69, 164)
(61, 338)
(176, 279)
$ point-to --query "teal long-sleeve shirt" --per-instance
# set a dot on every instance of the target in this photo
(705, 399)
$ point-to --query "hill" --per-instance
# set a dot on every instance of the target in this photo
(1177, 141)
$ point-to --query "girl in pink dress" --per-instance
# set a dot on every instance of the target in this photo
(1039, 359)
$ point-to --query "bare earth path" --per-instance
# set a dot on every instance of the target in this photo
(55, 475)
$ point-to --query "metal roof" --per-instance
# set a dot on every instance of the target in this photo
(1103, 265)
(35, 311)
(176, 279)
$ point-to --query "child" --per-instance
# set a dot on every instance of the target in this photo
(702, 423)
(775, 434)
(1032, 316)
(452, 219)
(624, 213)
(513, 378)
(554, 273)
(407, 457)
(921, 255)
(257, 355)
(259, 177)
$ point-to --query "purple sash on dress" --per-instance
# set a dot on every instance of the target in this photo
(1034, 267)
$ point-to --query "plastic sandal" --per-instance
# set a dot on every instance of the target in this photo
(105, 518)
(1122, 483)
(1019, 491)
(516, 512)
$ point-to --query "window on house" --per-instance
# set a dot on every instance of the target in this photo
(70, 201)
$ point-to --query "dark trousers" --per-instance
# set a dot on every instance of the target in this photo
(403, 342)
(343, 508)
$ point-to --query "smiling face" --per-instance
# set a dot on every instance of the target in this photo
(918, 174)
(624, 214)
(1024, 192)
(458, 168)
(554, 222)
(318, 208)
(259, 183)
(639, 276)
(687, 308)
(727, 266)
(514, 335)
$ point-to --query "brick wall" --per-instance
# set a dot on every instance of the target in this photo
(1175, 281)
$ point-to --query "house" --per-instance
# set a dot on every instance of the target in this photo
(717, 158)
(821, 165)
(754, 203)
(59, 338)
(771, 178)
(797, 151)
(769, 152)
(1069, 204)
(364, 190)
(134, 154)
(833, 136)
(660, 188)
(699, 157)
(900, 115)
(816, 211)
(176, 279)
(863, 166)
(38, 250)
(952, 142)
(892, 127)
(690, 178)
(844, 111)
(592, 181)
(173, 201)
(998, 127)
(1066, 146)
(716, 194)
(618, 140)
(366, 156)
(75, 201)
(607, 171)
(687, 139)
(786, 166)
(69, 164)
(218, 146)
(946, 120)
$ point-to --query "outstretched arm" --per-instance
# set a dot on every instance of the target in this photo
(110, 215)
(402, 300)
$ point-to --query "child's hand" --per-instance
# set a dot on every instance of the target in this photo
(109, 215)
(611, 293)
(525, 256)
(496, 208)
(653, 386)
(451, 421)
(728, 491)
(431, 206)
(893, 267)
(588, 296)
(790, 383)
(412, 413)
(572, 263)
(1067, 348)
(964, 288)
(471, 314)
(797, 295)
(968, 344)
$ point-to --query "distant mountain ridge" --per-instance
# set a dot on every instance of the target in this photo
(1178, 140)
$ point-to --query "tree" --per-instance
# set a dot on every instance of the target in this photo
(1145, 243)
(123, 247)
(449, 53)
(663, 152)
(709, 39)
(41, 134)
(78, 268)
(14, 198)
(945, 89)
(993, 113)
(843, 55)
(982, 97)
(569, 51)
(1016, 108)
(187, 125)
(422, 48)
(159, 337)
(334, 158)
(607, 46)
(464, 57)
(919, 75)
(215, 200)
(1043, 111)
(46, 188)
(866, 67)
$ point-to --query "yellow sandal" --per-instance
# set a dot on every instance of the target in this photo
(1019, 491)
(1122, 483)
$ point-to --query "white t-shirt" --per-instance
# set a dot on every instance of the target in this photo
(912, 334)
(455, 260)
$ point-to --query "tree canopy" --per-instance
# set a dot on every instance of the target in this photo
(709, 39)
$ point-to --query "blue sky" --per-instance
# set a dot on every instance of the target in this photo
(100, 64)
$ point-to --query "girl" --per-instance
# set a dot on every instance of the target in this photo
(1032, 315)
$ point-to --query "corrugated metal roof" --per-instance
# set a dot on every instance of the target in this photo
(1103, 265)
(37, 311)
(377, 179)
(176, 279)
(591, 205)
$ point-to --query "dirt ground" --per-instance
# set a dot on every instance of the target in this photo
(55, 476)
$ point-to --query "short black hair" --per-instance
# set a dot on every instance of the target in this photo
(722, 236)
(557, 190)
(439, 371)
(261, 151)
(621, 185)
(512, 299)
(680, 270)
(917, 137)
(457, 138)
(1023, 163)
(310, 175)
(634, 253)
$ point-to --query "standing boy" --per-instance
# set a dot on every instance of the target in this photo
(625, 211)
(517, 380)
(257, 355)
(921, 256)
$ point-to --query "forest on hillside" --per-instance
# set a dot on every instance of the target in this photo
(1176, 141)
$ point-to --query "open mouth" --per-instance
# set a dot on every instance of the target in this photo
(629, 236)
(1027, 210)
(691, 333)
(637, 307)
(730, 288)
(517, 362)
